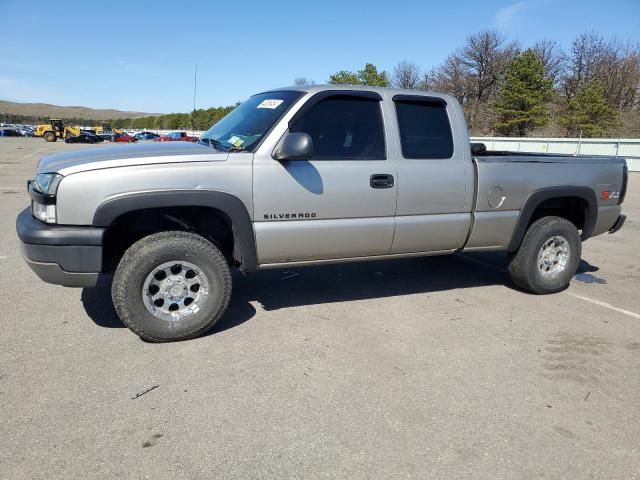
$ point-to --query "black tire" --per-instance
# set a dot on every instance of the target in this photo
(524, 265)
(50, 137)
(138, 263)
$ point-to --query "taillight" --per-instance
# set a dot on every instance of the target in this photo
(625, 179)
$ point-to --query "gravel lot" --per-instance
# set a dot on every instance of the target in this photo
(419, 368)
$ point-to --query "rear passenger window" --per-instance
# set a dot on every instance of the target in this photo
(425, 131)
(344, 128)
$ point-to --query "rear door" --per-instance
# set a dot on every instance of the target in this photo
(435, 175)
(340, 203)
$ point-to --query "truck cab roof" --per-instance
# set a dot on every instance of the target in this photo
(382, 91)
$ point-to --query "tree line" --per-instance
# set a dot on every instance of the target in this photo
(591, 89)
(200, 119)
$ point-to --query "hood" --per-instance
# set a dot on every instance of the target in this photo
(128, 155)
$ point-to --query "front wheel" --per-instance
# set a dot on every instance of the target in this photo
(171, 286)
(548, 257)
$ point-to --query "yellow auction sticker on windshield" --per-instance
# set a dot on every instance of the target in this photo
(271, 103)
(235, 141)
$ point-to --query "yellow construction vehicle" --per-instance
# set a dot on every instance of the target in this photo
(51, 131)
(104, 128)
(55, 130)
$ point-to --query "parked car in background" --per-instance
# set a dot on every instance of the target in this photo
(176, 137)
(84, 137)
(26, 131)
(21, 130)
(146, 136)
(9, 132)
(123, 138)
(107, 136)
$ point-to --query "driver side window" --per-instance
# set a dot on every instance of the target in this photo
(344, 128)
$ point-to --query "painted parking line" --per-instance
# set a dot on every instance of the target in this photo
(31, 154)
(606, 305)
(586, 299)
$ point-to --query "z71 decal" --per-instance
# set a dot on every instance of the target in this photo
(607, 194)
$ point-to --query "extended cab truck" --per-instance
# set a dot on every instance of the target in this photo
(301, 176)
(176, 137)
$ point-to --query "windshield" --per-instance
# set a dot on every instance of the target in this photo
(244, 127)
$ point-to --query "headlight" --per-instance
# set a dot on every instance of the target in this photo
(43, 200)
(47, 183)
(44, 213)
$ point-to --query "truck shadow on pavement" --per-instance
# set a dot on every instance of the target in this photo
(277, 289)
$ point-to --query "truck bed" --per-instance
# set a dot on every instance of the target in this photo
(506, 156)
(506, 180)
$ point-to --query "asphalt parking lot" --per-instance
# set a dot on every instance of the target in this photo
(419, 368)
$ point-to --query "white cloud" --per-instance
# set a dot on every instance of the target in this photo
(509, 16)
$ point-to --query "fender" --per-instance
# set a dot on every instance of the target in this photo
(228, 204)
(539, 196)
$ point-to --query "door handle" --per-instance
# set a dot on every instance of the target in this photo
(379, 180)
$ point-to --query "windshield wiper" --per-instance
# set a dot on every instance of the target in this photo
(233, 148)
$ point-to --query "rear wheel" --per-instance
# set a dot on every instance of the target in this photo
(50, 137)
(171, 286)
(548, 257)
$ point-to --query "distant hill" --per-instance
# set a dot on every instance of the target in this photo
(58, 111)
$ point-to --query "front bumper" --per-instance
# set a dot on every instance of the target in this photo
(63, 255)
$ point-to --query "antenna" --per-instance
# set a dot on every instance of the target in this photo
(195, 89)
(195, 86)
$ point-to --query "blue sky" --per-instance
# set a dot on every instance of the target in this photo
(141, 55)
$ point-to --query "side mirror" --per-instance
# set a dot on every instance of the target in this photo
(478, 149)
(295, 146)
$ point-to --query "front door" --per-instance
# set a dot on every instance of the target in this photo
(341, 202)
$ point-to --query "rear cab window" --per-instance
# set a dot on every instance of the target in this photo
(424, 127)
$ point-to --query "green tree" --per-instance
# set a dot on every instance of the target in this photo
(344, 77)
(159, 122)
(588, 112)
(370, 76)
(367, 76)
(522, 101)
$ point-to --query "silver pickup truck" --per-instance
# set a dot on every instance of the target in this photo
(302, 176)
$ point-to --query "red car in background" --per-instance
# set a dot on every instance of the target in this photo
(123, 137)
(176, 137)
